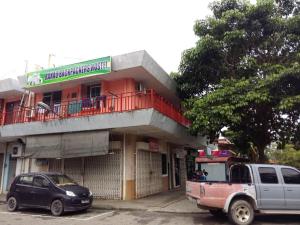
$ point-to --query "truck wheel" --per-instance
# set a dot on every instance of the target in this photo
(216, 212)
(241, 212)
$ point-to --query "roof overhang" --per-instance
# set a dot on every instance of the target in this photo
(10, 87)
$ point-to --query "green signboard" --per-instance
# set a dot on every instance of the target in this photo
(69, 72)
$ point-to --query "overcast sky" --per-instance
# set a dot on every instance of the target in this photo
(75, 31)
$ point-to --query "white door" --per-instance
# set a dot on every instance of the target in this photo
(148, 173)
(102, 175)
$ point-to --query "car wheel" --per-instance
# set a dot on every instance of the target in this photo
(217, 212)
(57, 207)
(12, 204)
(241, 212)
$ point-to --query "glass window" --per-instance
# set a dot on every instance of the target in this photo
(26, 180)
(290, 176)
(240, 174)
(47, 98)
(164, 164)
(40, 182)
(94, 91)
(268, 175)
(51, 98)
(214, 171)
(61, 180)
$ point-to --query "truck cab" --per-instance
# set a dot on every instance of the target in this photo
(248, 188)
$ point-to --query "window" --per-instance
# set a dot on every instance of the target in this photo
(27, 180)
(93, 91)
(240, 174)
(61, 180)
(52, 98)
(40, 182)
(214, 171)
(268, 175)
(74, 95)
(164, 164)
(290, 176)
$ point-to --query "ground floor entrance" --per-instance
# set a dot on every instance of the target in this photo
(148, 173)
(101, 174)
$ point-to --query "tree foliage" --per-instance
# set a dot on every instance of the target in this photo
(287, 156)
(244, 72)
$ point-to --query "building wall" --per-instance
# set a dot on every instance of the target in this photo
(107, 88)
(129, 182)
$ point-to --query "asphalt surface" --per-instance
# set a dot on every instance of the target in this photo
(99, 217)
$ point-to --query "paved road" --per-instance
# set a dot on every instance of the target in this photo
(101, 217)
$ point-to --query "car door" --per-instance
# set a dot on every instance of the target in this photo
(24, 189)
(291, 179)
(270, 189)
(41, 191)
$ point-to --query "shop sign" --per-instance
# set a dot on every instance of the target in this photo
(69, 72)
(153, 145)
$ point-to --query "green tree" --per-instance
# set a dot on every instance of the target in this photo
(244, 73)
(287, 156)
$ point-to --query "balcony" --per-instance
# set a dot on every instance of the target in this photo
(124, 102)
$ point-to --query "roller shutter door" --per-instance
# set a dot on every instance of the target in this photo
(102, 175)
(55, 165)
(73, 169)
(148, 174)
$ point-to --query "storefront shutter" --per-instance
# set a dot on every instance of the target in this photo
(44, 146)
(84, 144)
(68, 145)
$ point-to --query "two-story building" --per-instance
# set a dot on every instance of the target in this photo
(113, 124)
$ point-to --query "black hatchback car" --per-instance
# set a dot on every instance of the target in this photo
(53, 191)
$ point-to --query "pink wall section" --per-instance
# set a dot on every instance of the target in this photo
(107, 88)
(118, 86)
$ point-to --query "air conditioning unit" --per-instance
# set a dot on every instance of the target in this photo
(17, 151)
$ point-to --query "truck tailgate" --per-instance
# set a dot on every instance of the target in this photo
(215, 194)
(193, 190)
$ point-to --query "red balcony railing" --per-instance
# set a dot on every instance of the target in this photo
(99, 105)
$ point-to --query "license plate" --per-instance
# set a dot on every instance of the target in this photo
(85, 201)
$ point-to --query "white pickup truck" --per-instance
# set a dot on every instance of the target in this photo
(248, 189)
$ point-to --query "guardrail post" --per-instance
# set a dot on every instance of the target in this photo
(121, 102)
(152, 98)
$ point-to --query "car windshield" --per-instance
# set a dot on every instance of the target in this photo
(61, 180)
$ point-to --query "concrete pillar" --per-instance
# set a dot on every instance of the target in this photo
(129, 149)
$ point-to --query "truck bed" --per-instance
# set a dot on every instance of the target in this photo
(212, 194)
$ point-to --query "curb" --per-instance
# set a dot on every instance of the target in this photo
(161, 210)
(117, 208)
(136, 209)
